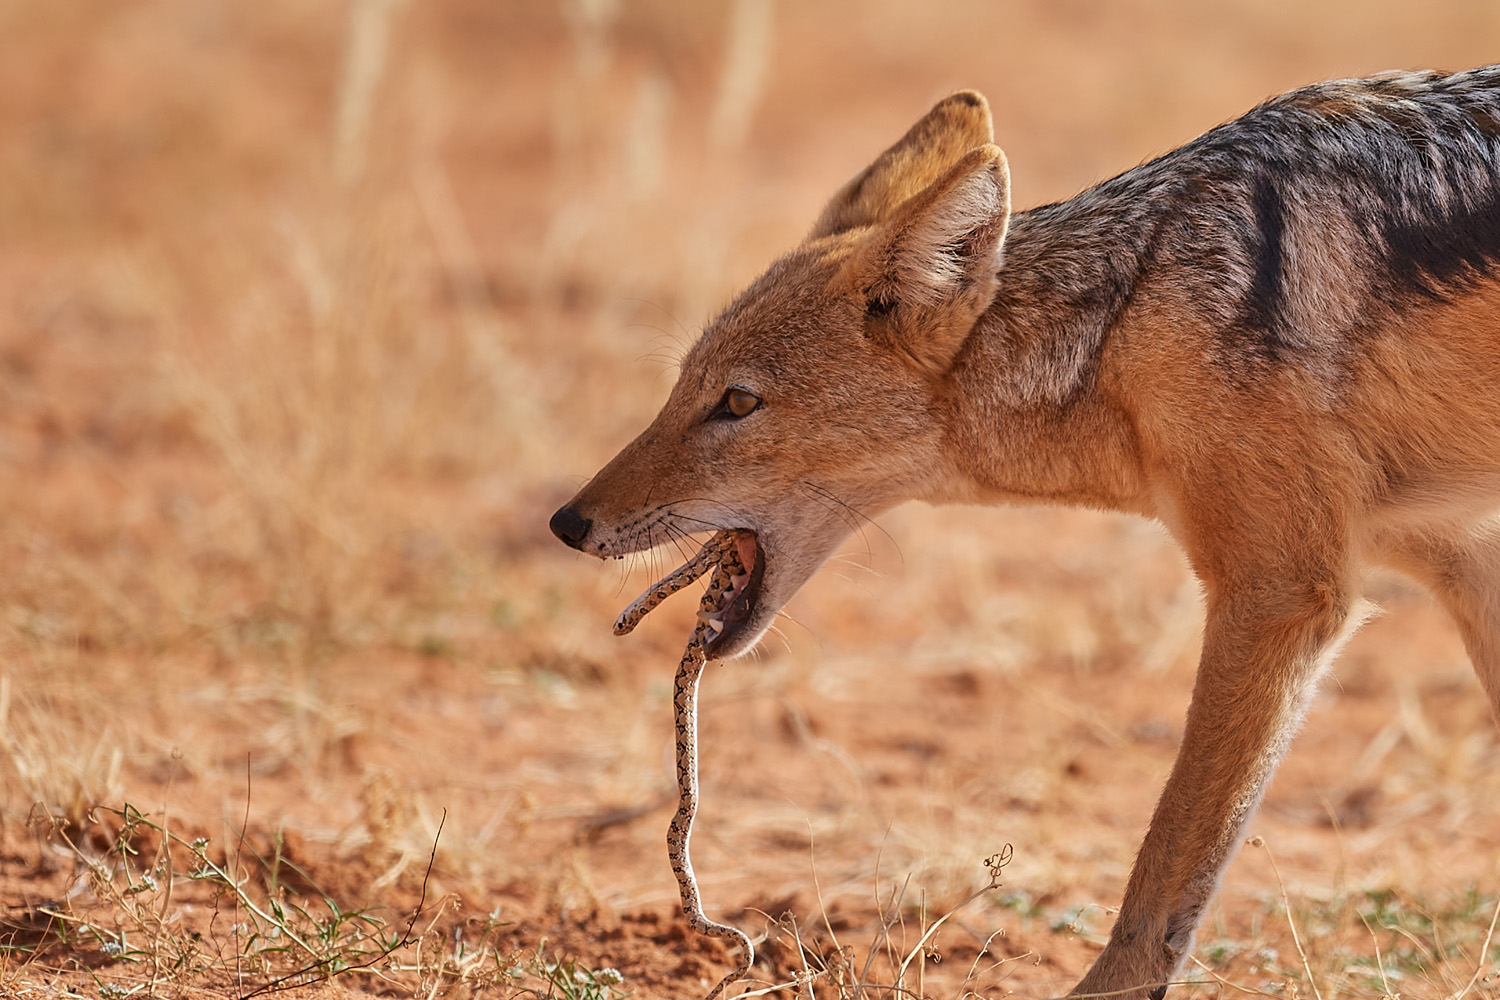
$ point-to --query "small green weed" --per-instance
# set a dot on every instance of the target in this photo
(568, 979)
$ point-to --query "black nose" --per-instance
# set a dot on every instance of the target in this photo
(571, 526)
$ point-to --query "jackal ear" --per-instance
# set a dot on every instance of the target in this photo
(953, 127)
(929, 273)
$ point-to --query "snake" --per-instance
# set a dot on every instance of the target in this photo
(721, 554)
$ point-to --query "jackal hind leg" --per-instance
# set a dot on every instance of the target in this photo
(1265, 642)
(1461, 568)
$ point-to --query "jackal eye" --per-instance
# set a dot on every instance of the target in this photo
(736, 403)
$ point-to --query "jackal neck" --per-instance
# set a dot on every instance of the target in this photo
(1067, 274)
(1035, 415)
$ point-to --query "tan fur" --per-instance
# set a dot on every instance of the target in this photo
(899, 354)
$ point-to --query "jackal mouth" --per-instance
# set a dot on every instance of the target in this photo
(735, 606)
(727, 611)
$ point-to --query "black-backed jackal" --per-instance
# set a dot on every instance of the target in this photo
(1281, 340)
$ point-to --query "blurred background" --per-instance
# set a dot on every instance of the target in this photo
(312, 312)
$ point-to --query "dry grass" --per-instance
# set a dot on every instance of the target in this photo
(149, 925)
(311, 316)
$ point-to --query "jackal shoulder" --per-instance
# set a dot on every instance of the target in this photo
(1321, 214)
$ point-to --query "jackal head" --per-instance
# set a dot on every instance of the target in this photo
(817, 398)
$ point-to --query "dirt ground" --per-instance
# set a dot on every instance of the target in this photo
(310, 315)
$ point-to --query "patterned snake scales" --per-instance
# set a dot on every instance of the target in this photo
(720, 553)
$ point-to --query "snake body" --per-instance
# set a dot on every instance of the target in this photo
(722, 554)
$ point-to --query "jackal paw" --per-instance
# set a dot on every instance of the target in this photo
(1130, 972)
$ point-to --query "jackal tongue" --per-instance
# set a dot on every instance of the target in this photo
(748, 547)
(736, 603)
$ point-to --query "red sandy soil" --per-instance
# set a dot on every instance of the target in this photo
(320, 659)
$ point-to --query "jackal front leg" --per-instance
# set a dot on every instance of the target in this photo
(1263, 648)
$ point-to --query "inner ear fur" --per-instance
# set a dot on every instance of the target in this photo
(955, 125)
(930, 271)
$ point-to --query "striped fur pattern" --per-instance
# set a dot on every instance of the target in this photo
(1323, 214)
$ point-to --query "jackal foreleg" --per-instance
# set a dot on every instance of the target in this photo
(1264, 645)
